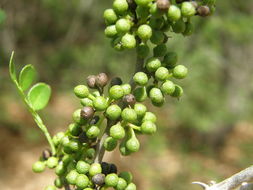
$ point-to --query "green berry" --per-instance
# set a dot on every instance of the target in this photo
(188, 9)
(71, 177)
(117, 131)
(126, 88)
(74, 129)
(58, 182)
(127, 176)
(141, 78)
(111, 180)
(179, 26)
(82, 181)
(116, 44)
(174, 13)
(38, 167)
(95, 168)
(157, 37)
(90, 152)
(142, 2)
(153, 64)
(129, 115)
(161, 73)
(110, 16)
(93, 132)
(140, 109)
(82, 167)
(160, 50)
(148, 127)
(86, 102)
(156, 95)
(149, 116)
(140, 94)
(142, 50)
(50, 187)
(133, 144)
(52, 162)
(88, 189)
(168, 87)
(180, 72)
(170, 59)
(110, 31)
(66, 159)
(77, 117)
(100, 103)
(110, 144)
(131, 186)
(116, 92)
(128, 41)
(155, 11)
(120, 6)
(178, 92)
(81, 91)
(189, 28)
(122, 25)
(73, 145)
(113, 112)
(122, 184)
(144, 32)
(123, 149)
(60, 169)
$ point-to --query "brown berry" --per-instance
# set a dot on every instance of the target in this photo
(87, 112)
(163, 4)
(101, 80)
(129, 99)
(91, 81)
(46, 154)
(98, 179)
(203, 10)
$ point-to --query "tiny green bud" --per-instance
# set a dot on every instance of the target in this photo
(122, 25)
(157, 37)
(127, 176)
(71, 177)
(111, 180)
(144, 32)
(188, 9)
(170, 59)
(168, 87)
(128, 41)
(82, 181)
(180, 72)
(93, 132)
(156, 95)
(122, 184)
(82, 167)
(110, 144)
(81, 91)
(110, 16)
(86, 102)
(153, 64)
(74, 129)
(140, 78)
(58, 182)
(77, 117)
(116, 92)
(178, 92)
(50, 187)
(113, 112)
(140, 109)
(149, 116)
(140, 94)
(38, 167)
(100, 103)
(120, 6)
(148, 127)
(117, 131)
(161, 73)
(179, 26)
(142, 2)
(52, 162)
(126, 88)
(129, 115)
(131, 186)
(95, 168)
(133, 144)
(60, 169)
(174, 13)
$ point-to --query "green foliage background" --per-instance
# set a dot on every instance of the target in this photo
(64, 40)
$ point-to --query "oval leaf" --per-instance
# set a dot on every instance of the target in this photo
(39, 95)
(27, 76)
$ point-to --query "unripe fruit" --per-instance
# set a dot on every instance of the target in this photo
(52, 162)
(144, 32)
(116, 44)
(82, 181)
(86, 102)
(140, 109)
(170, 59)
(160, 50)
(180, 72)
(154, 11)
(142, 50)
(91, 81)
(142, 2)
(129, 115)
(98, 179)
(110, 31)
(93, 132)
(111, 180)
(90, 152)
(123, 149)
(38, 167)
(71, 177)
(179, 26)
(148, 127)
(188, 9)
(100, 103)
(115, 81)
(128, 41)
(58, 182)
(113, 112)
(127, 176)
(203, 10)
(110, 144)
(174, 13)
(140, 94)
(101, 80)
(74, 129)
(156, 23)
(110, 16)
(142, 12)
(153, 64)
(95, 168)
(46, 154)
(116, 92)
(161, 73)
(82, 167)
(157, 37)
(81, 91)
(149, 116)
(122, 25)
(60, 169)
(188, 29)
(131, 186)
(87, 112)
(50, 187)
(126, 88)
(117, 131)
(178, 92)
(120, 6)
(133, 144)
(141, 78)
(122, 184)
(163, 4)
(156, 95)
(77, 117)
(168, 87)
(129, 99)
(73, 145)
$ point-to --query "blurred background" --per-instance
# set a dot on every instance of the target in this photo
(207, 135)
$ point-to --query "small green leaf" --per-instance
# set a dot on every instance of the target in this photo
(27, 76)
(39, 95)
(12, 69)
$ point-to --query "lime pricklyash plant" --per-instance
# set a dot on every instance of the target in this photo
(111, 112)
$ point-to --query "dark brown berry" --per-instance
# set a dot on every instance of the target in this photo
(116, 81)
(101, 80)
(132, 5)
(203, 10)
(87, 112)
(105, 168)
(46, 154)
(83, 138)
(91, 81)
(163, 4)
(129, 99)
(113, 169)
(98, 179)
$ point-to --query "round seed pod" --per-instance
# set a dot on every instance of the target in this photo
(163, 4)
(82, 181)
(98, 179)
(117, 131)
(120, 6)
(122, 184)
(87, 112)
(129, 99)
(110, 144)
(174, 13)
(188, 9)
(111, 180)
(110, 16)
(101, 79)
(38, 167)
(113, 168)
(144, 32)
(129, 115)
(91, 81)
(203, 11)
(105, 168)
